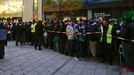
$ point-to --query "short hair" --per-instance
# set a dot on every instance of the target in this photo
(33, 20)
(129, 20)
(105, 19)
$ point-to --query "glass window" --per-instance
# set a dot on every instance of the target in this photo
(35, 17)
(11, 8)
(35, 1)
(35, 6)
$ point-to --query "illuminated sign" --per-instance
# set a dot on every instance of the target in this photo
(11, 8)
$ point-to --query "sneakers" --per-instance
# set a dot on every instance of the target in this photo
(76, 58)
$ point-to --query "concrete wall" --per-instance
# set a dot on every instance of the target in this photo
(27, 10)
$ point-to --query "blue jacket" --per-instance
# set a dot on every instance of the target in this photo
(82, 29)
(3, 34)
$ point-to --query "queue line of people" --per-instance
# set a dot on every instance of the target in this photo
(69, 37)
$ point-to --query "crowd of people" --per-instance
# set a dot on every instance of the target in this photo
(81, 39)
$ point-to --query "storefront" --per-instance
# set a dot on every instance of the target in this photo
(11, 10)
(111, 8)
(118, 12)
(128, 14)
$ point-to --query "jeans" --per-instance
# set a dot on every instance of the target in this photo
(38, 41)
(2, 49)
(128, 53)
(107, 51)
(56, 41)
(93, 48)
(70, 47)
(82, 49)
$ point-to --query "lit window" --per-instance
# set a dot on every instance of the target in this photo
(35, 1)
(10, 7)
(35, 6)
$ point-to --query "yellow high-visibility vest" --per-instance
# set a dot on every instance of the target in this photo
(108, 34)
(33, 27)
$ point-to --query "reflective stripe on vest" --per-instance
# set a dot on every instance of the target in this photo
(33, 27)
(109, 33)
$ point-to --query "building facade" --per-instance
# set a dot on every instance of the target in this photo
(28, 10)
(32, 10)
(101, 8)
(10, 9)
(110, 8)
(20, 10)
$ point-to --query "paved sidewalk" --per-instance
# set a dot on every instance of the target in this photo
(24, 60)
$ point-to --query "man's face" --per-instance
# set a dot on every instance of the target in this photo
(33, 21)
(105, 23)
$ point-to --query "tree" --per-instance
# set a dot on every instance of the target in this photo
(71, 6)
(47, 5)
(62, 5)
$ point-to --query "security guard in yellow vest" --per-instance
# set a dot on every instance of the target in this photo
(108, 34)
(106, 41)
(33, 25)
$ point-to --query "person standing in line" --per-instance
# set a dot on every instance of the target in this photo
(45, 35)
(56, 38)
(63, 38)
(7, 27)
(13, 31)
(38, 35)
(127, 32)
(93, 27)
(33, 32)
(70, 35)
(27, 32)
(82, 40)
(3, 37)
(106, 41)
(19, 33)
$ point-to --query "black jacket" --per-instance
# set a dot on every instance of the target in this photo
(19, 29)
(128, 31)
(39, 29)
(93, 28)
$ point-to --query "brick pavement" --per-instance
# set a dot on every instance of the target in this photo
(24, 60)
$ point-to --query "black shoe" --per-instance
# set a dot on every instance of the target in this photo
(16, 44)
(102, 61)
(110, 63)
(40, 48)
(35, 48)
(1, 57)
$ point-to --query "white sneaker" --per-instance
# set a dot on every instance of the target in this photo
(76, 58)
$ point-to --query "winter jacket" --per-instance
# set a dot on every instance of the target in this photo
(128, 31)
(93, 28)
(70, 32)
(3, 34)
